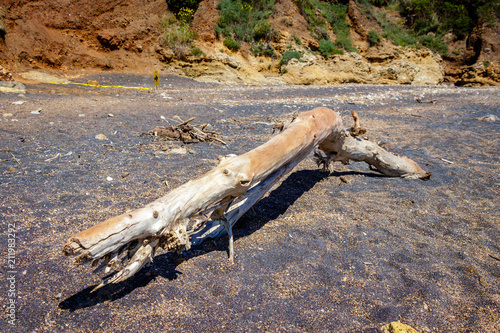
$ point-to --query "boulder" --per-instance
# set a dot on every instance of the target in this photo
(9, 87)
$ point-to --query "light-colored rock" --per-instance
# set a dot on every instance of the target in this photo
(402, 72)
(9, 87)
(396, 65)
(397, 327)
(177, 151)
(482, 73)
(101, 137)
(42, 77)
(489, 118)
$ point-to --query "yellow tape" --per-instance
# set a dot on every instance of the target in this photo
(99, 86)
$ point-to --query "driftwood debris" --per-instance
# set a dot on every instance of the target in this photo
(186, 133)
(211, 204)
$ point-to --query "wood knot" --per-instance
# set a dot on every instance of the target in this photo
(244, 182)
(155, 214)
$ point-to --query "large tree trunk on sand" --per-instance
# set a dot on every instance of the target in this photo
(206, 206)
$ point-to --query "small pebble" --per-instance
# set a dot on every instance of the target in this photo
(489, 118)
(101, 137)
(109, 179)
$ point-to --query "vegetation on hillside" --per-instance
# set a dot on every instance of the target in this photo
(183, 9)
(427, 21)
(246, 21)
(423, 22)
(178, 37)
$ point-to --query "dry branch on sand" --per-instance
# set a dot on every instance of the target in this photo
(186, 133)
(205, 207)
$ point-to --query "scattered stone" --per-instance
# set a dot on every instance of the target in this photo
(93, 83)
(7, 115)
(110, 115)
(344, 180)
(109, 178)
(397, 327)
(178, 151)
(36, 111)
(18, 103)
(81, 115)
(125, 174)
(101, 137)
(489, 118)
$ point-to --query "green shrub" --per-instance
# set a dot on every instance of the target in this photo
(379, 3)
(397, 34)
(244, 20)
(335, 13)
(307, 9)
(263, 49)
(196, 51)
(287, 22)
(176, 33)
(289, 55)
(434, 43)
(232, 44)
(175, 6)
(486, 64)
(457, 16)
(373, 37)
(261, 30)
(327, 48)
(297, 40)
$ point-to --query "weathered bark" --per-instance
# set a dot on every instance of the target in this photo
(212, 203)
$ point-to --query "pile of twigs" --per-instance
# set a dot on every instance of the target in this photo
(186, 133)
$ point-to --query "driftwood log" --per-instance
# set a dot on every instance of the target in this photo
(211, 204)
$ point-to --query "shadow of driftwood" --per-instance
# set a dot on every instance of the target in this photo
(268, 209)
(162, 266)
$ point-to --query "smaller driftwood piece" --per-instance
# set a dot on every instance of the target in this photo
(211, 204)
(186, 133)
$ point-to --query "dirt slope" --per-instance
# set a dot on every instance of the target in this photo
(109, 34)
